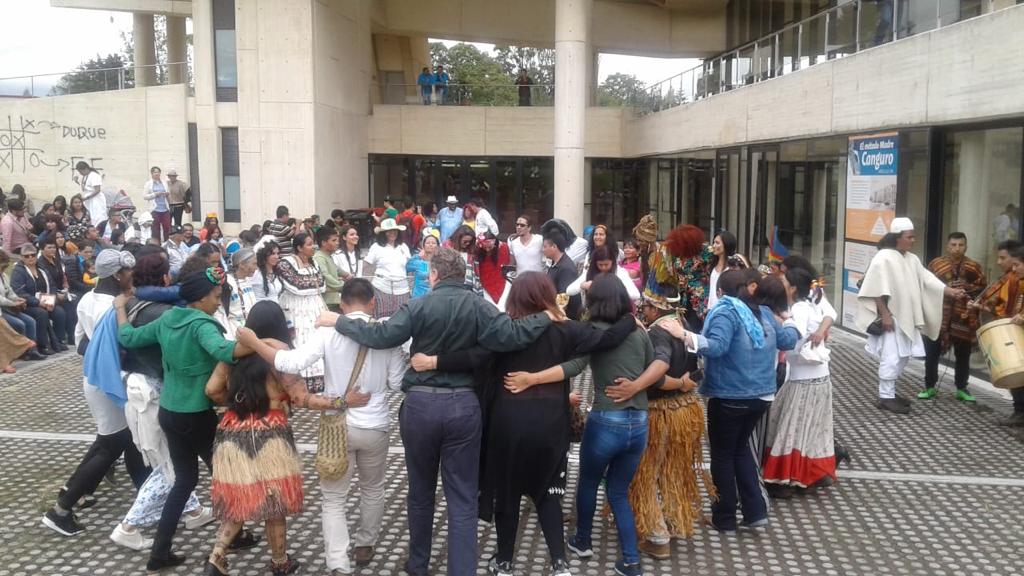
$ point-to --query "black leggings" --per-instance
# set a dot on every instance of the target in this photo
(103, 453)
(189, 435)
(549, 514)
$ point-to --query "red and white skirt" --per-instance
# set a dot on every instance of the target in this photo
(800, 434)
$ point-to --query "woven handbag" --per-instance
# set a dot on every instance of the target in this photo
(332, 443)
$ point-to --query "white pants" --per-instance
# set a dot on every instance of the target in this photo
(894, 351)
(367, 452)
(149, 502)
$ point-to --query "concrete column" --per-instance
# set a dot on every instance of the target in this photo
(572, 61)
(145, 51)
(176, 52)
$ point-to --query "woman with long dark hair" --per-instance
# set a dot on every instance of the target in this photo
(302, 299)
(265, 283)
(33, 284)
(257, 471)
(602, 261)
(463, 241)
(527, 416)
(723, 247)
(77, 213)
(740, 344)
(348, 259)
(491, 256)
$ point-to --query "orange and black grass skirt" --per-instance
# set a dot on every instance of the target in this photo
(257, 473)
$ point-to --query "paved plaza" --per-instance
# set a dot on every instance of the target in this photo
(940, 491)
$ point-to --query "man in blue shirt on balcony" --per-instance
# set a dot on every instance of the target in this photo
(441, 80)
(426, 84)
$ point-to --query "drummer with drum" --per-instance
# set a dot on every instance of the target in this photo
(959, 324)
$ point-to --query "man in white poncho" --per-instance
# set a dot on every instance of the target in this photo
(906, 299)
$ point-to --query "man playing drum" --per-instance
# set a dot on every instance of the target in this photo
(899, 302)
(959, 324)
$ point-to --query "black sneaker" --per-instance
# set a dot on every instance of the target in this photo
(893, 405)
(170, 561)
(497, 568)
(579, 547)
(65, 525)
(560, 568)
(623, 569)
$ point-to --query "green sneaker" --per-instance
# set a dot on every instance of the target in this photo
(927, 394)
(964, 396)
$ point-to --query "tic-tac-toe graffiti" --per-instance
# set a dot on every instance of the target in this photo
(23, 143)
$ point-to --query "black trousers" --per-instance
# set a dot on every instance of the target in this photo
(1018, 400)
(962, 353)
(549, 516)
(189, 436)
(103, 453)
(176, 211)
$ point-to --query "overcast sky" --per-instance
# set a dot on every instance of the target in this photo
(36, 38)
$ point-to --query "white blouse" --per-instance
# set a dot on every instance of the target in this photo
(389, 263)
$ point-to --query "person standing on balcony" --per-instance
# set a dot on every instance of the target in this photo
(181, 196)
(157, 193)
(441, 80)
(426, 84)
(91, 182)
(525, 83)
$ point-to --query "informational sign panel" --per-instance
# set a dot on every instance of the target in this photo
(871, 182)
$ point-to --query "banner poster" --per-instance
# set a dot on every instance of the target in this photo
(871, 188)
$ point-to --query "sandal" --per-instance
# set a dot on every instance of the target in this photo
(287, 567)
(214, 570)
(244, 539)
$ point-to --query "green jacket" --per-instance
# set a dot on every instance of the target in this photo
(192, 343)
(329, 270)
(449, 318)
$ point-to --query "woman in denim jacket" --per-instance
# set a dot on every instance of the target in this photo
(739, 344)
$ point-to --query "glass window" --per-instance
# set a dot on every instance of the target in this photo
(225, 62)
(912, 190)
(981, 190)
(618, 194)
(539, 189)
(232, 193)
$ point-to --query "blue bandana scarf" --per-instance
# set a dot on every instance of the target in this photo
(750, 323)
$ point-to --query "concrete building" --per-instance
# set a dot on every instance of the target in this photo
(810, 122)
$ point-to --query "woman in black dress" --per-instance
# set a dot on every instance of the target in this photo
(526, 423)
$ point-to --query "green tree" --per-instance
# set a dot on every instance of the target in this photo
(94, 75)
(621, 90)
(477, 77)
(539, 64)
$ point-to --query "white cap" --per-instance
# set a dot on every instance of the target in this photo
(452, 200)
(900, 225)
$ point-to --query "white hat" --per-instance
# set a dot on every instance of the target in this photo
(145, 219)
(900, 225)
(451, 200)
(388, 224)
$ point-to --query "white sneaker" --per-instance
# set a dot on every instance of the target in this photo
(134, 540)
(204, 517)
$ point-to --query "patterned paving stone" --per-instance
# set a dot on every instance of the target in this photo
(862, 526)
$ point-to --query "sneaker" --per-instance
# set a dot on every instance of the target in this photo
(204, 517)
(579, 547)
(66, 525)
(133, 540)
(656, 551)
(964, 396)
(754, 524)
(893, 405)
(1016, 420)
(902, 400)
(172, 560)
(927, 393)
(499, 568)
(623, 569)
(560, 568)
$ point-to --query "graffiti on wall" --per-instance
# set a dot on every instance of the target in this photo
(22, 144)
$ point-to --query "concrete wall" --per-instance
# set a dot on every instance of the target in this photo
(969, 71)
(485, 131)
(122, 133)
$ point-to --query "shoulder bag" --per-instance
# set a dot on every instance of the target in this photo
(332, 444)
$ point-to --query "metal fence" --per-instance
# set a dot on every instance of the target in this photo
(845, 29)
(98, 80)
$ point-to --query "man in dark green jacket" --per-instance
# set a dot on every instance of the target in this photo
(440, 417)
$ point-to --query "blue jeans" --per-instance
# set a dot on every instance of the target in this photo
(442, 430)
(426, 92)
(22, 323)
(613, 443)
(730, 423)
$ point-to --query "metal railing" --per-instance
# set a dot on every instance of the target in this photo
(845, 29)
(455, 94)
(97, 80)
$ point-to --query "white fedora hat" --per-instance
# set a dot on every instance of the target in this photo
(451, 200)
(388, 224)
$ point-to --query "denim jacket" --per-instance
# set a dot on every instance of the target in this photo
(733, 368)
